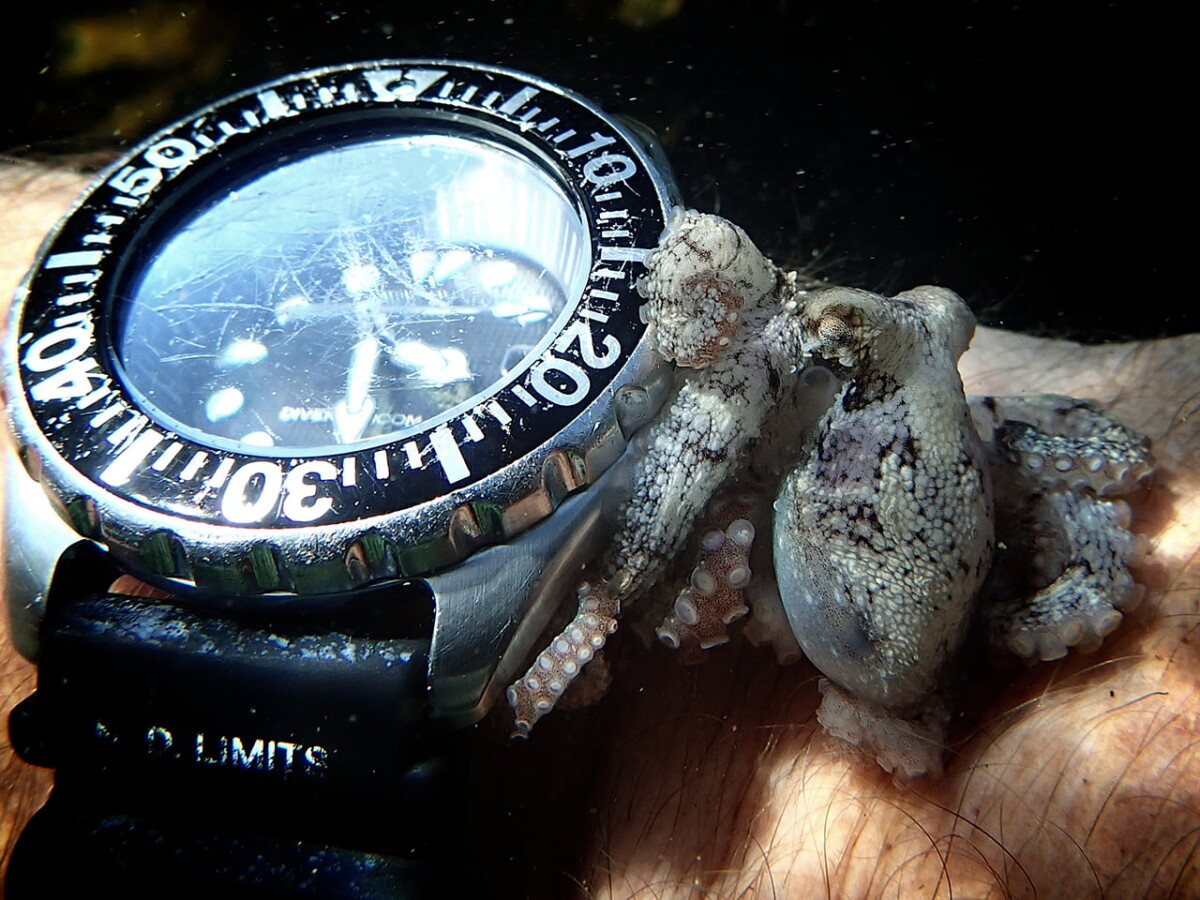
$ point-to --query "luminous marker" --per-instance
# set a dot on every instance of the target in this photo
(97, 238)
(471, 427)
(125, 200)
(273, 105)
(614, 233)
(448, 454)
(499, 413)
(75, 318)
(90, 399)
(413, 454)
(107, 414)
(524, 396)
(195, 464)
(519, 99)
(604, 295)
(223, 469)
(382, 469)
(165, 458)
(608, 195)
(251, 118)
(402, 84)
(608, 273)
(72, 299)
(547, 125)
(491, 100)
(613, 213)
(109, 219)
(324, 95)
(79, 258)
(559, 138)
(121, 469)
(299, 100)
(229, 129)
(79, 278)
(532, 113)
(447, 87)
(349, 471)
(128, 430)
(468, 94)
(623, 254)
(350, 91)
(585, 313)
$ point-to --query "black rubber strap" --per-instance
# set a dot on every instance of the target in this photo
(123, 681)
(76, 846)
(286, 755)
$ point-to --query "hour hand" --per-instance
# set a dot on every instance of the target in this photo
(352, 414)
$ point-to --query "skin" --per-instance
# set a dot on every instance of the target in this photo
(1076, 778)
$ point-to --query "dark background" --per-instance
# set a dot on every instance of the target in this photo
(1032, 160)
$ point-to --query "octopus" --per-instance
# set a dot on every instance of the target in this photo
(838, 497)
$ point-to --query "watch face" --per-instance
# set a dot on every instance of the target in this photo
(341, 295)
(356, 294)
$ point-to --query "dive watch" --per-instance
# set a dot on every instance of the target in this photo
(336, 371)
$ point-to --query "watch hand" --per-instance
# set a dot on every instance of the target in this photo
(352, 414)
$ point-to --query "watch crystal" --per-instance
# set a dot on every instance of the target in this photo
(352, 294)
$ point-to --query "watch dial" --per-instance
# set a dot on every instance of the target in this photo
(352, 294)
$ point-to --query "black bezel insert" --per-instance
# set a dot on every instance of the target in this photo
(73, 386)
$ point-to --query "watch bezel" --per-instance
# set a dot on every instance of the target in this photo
(399, 508)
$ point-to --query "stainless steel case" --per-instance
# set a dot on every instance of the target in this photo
(89, 463)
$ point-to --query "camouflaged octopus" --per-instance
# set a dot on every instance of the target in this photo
(902, 512)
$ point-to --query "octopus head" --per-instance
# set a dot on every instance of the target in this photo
(947, 318)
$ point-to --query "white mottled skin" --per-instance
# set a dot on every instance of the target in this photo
(726, 389)
(883, 534)
(847, 408)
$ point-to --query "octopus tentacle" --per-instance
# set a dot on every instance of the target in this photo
(906, 747)
(714, 597)
(1058, 442)
(1083, 547)
(701, 281)
(1062, 574)
(700, 440)
(559, 664)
